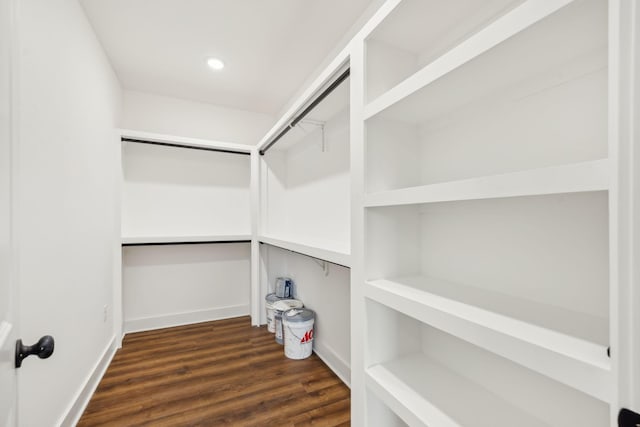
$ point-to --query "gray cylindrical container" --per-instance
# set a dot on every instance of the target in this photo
(269, 300)
(278, 308)
(277, 324)
(284, 287)
(297, 325)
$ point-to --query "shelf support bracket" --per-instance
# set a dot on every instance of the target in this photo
(316, 123)
(324, 265)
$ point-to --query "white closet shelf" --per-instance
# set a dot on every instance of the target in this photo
(186, 142)
(572, 178)
(425, 393)
(502, 29)
(558, 343)
(158, 240)
(314, 251)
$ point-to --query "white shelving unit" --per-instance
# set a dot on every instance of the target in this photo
(186, 230)
(431, 378)
(305, 183)
(305, 207)
(500, 111)
(461, 311)
(432, 387)
(170, 189)
(485, 206)
(396, 52)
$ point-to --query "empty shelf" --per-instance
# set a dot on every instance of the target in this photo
(314, 251)
(572, 178)
(516, 21)
(558, 343)
(424, 393)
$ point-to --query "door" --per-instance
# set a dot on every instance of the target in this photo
(8, 294)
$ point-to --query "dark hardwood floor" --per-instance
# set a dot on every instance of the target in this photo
(216, 373)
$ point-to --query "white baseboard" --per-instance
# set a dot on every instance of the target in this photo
(179, 319)
(82, 399)
(334, 362)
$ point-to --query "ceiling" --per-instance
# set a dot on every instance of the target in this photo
(270, 47)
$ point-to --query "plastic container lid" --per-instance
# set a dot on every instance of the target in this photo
(287, 304)
(296, 315)
(272, 298)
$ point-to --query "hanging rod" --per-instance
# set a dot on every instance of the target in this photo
(169, 144)
(307, 110)
(185, 243)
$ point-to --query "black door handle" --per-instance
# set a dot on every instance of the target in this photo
(627, 418)
(43, 349)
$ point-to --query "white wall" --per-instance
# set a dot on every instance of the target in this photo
(70, 102)
(170, 191)
(307, 190)
(180, 284)
(172, 116)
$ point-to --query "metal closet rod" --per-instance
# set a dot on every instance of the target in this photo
(168, 144)
(209, 242)
(307, 110)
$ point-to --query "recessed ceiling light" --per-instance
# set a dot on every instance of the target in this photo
(215, 64)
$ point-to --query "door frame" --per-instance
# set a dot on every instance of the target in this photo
(9, 327)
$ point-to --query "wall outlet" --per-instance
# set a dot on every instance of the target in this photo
(105, 312)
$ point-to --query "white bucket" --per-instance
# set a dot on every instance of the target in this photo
(277, 323)
(298, 332)
(280, 307)
(269, 300)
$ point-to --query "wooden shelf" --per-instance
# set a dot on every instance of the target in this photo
(310, 249)
(563, 345)
(578, 177)
(168, 240)
(424, 393)
(500, 30)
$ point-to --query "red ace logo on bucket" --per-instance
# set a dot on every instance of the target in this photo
(308, 336)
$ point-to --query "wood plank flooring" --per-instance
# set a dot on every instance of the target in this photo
(216, 373)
